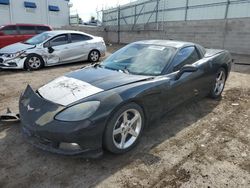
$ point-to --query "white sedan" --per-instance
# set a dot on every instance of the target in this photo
(52, 48)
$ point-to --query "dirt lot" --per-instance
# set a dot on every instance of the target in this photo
(201, 144)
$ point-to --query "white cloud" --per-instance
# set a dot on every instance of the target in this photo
(87, 8)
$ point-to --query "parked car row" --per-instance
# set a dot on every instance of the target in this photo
(52, 48)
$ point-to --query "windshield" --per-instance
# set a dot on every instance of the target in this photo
(143, 59)
(38, 39)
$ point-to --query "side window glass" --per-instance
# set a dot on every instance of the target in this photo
(79, 38)
(59, 40)
(9, 30)
(27, 30)
(185, 56)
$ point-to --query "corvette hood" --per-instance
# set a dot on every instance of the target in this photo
(14, 48)
(85, 82)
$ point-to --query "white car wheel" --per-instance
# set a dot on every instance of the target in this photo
(33, 62)
(94, 56)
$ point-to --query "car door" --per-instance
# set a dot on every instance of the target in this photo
(58, 49)
(79, 46)
(187, 85)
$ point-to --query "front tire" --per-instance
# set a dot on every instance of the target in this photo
(124, 129)
(94, 56)
(219, 84)
(33, 62)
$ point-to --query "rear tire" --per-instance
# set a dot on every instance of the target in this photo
(94, 56)
(124, 129)
(33, 62)
(219, 84)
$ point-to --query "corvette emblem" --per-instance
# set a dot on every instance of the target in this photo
(29, 108)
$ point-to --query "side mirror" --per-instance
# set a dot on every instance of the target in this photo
(186, 68)
(1, 33)
(50, 50)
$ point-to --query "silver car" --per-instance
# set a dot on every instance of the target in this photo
(52, 48)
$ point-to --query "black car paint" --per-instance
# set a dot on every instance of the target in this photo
(155, 94)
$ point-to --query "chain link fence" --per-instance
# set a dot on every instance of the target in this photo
(157, 11)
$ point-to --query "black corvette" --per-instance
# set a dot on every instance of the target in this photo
(108, 105)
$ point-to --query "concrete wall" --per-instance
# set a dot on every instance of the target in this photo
(231, 34)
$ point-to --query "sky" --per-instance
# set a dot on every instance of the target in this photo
(87, 8)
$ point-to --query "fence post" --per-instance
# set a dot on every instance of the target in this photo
(156, 14)
(135, 14)
(227, 7)
(118, 24)
(186, 12)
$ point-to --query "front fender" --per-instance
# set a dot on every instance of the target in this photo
(146, 94)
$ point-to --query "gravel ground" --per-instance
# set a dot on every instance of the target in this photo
(205, 143)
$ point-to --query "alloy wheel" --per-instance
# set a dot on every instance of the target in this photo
(34, 62)
(94, 56)
(220, 82)
(127, 128)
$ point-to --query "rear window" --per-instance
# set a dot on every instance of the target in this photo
(9, 30)
(41, 29)
(27, 30)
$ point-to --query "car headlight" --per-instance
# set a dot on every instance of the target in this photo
(78, 112)
(14, 54)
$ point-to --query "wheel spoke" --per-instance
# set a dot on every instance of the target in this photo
(220, 76)
(117, 131)
(132, 132)
(216, 87)
(134, 119)
(125, 117)
(123, 139)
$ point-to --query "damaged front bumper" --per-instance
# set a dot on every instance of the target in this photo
(12, 63)
(60, 137)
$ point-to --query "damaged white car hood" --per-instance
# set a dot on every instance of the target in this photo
(65, 90)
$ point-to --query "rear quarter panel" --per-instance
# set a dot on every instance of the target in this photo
(222, 59)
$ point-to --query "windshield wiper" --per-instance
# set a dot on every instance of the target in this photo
(125, 70)
(96, 65)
